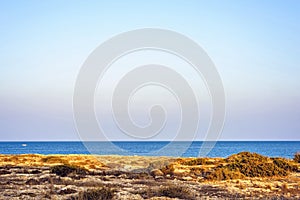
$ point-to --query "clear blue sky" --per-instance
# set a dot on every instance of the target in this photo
(254, 44)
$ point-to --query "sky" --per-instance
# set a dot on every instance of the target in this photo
(255, 46)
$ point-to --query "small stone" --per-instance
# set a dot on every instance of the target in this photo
(64, 191)
(156, 172)
(123, 176)
(187, 178)
(158, 177)
(32, 182)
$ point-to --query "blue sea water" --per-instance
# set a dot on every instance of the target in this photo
(221, 149)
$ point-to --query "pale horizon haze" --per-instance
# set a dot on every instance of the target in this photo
(255, 46)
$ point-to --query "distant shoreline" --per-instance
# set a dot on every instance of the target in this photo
(222, 149)
(22, 141)
(118, 155)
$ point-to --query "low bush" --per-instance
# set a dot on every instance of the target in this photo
(255, 165)
(138, 176)
(196, 161)
(246, 157)
(65, 170)
(67, 191)
(224, 174)
(197, 171)
(297, 157)
(169, 169)
(285, 164)
(171, 191)
(32, 182)
(246, 164)
(102, 193)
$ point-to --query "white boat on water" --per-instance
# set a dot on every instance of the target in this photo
(24, 145)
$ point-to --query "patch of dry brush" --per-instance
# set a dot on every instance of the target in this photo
(85, 161)
(297, 157)
(237, 166)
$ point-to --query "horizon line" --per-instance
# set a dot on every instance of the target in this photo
(151, 141)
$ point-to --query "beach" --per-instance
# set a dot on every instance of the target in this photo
(239, 176)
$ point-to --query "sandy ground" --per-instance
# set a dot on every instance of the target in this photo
(131, 177)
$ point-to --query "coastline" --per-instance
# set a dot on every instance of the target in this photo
(222, 149)
(239, 176)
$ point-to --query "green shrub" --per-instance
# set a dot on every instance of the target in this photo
(103, 193)
(171, 191)
(65, 170)
(169, 169)
(224, 174)
(255, 165)
(297, 157)
(258, 169)
(285, 164)
(246, 157)
(196, 161)
(246, 164)
(66, 191)
(197, 171)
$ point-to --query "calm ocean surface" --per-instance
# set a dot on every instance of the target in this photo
(221, 149)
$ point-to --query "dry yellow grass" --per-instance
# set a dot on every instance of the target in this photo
(84, 161)
(88, 162)
(188, 172)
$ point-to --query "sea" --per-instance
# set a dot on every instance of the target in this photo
(285, 149)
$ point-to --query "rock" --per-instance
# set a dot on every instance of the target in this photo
(156, 172)
(158, 165)
(127, 168)
(122, 176)
(64, 191)
(187, 178)
(180, 172)
(126, 195)
(158, 177)
(160, 198)
(4, 171)
(45, 179)
(140, 170)
(28, 193)
(32, 182)
(35, 171)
